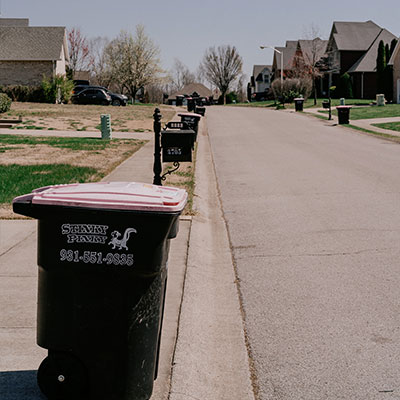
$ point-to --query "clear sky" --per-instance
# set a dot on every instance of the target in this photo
(184, 29)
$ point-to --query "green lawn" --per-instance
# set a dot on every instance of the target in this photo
(267, 103)
(309, 103)
(17, 179)
(21, 172)
(73, 143)
(393, 126)
(390, 110)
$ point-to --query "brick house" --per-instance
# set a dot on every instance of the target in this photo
(353, 48)
(395, 63)
(28, 53)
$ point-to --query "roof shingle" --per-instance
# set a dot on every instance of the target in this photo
(27, 43)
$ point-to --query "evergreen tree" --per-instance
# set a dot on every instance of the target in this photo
(387, 54)
(345, 86)
(380, 67)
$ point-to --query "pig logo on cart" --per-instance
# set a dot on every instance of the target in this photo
(121, 243)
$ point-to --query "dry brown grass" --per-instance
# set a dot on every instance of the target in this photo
(79, 117)
(71, 117)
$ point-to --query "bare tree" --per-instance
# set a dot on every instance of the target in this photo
(78, 50)
(314, 50)
(133, 60)
(181, 75)
(240, 89)
(99, 68)
(222, 66)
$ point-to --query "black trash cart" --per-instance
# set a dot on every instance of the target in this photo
(102, 256)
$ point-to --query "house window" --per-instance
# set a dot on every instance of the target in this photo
(266, 78)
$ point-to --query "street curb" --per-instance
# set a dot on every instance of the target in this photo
(211, 359)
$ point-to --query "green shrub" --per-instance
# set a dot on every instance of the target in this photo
(23, 93)
(345, 86)
(291, 88)
(5, 103)
(57, 89)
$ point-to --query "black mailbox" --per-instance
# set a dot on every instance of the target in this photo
(200, 110)
(192, 120)
(177, 145)
(177, 125)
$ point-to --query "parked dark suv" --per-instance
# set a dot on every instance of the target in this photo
(92, 96)
(116, 99)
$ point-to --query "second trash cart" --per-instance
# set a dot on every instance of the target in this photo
(102, 256)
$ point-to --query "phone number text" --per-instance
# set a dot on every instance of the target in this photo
(94, 257)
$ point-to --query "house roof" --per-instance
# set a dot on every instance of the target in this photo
(28, 43)
(257, 69)
(367, 63)
(189, 89)
(356, 36)
(288, 55)
(14, 21)
(395, 52)
(313, 49)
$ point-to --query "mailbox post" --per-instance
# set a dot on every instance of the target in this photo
(175, 142)
(157, 169)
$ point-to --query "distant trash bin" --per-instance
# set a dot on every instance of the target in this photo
(190, 104)
(380, 100)
(325, 104)
(105, 121)
(299, 103)
(200, 110)
(343, 114)
(179, 101)
(102, 255)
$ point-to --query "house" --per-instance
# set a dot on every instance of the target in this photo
(395, 63)
(27, 53)
(260, 82)
(190, 90)
(286, 56)
(353, 48)
(306, 60)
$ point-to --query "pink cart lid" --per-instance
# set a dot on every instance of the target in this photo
(189, 114)
(113, 195)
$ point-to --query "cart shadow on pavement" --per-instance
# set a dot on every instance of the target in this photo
(17, 385)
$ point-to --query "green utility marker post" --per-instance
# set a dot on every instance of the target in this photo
(106, 126)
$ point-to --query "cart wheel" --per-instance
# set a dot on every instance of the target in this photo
(61, 376)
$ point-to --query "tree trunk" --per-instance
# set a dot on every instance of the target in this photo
(315, 91)
(132, 90)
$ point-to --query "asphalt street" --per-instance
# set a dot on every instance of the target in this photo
(312, 211)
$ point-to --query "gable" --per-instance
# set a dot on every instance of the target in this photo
(312, 50)
(259, 70)
(367, 63)
(356, 36)
(24, 43)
